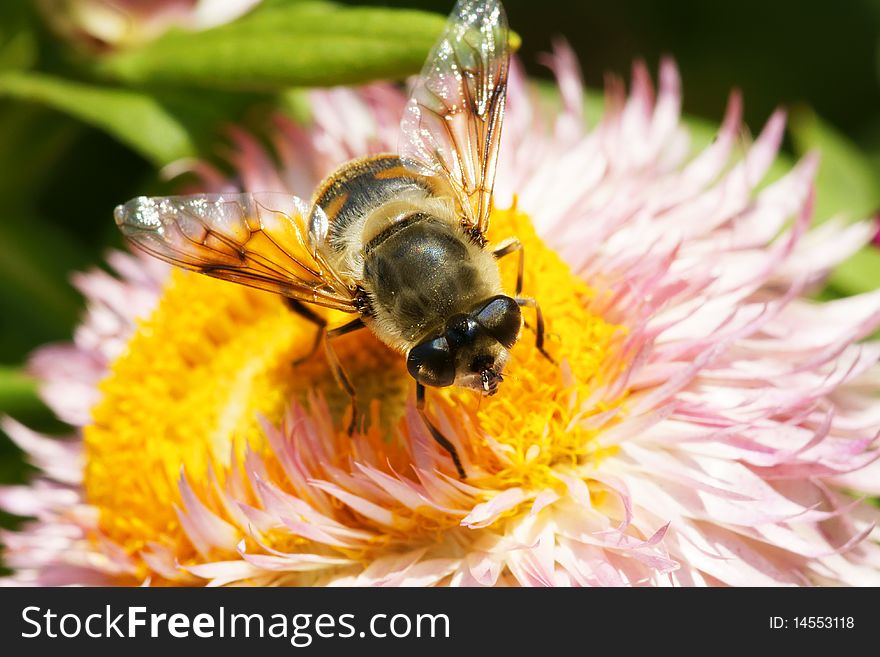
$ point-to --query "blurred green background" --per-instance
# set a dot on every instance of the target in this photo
(86, 124)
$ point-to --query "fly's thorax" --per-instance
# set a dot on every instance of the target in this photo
(419, 270)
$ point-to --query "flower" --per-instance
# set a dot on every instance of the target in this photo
(707, 424)
(124, 23)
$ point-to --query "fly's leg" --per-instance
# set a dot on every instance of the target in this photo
(311, 316)
(507, 247)
(435, 432)
(336, 367)
(539, 324)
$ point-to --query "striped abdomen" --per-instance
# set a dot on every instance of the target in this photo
(359, 187)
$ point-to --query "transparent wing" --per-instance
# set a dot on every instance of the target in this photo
(268, 241)
(452, 123)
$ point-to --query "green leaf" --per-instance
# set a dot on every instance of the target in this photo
(135, 118)
(846, 183)
(31, 140)
(18, 44)
(860, 273)
(18, 398)
(283, 45)
(36, 259)
(18, 392)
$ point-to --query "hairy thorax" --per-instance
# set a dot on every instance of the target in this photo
(421, 271)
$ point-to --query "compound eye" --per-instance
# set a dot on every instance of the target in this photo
(502, 319)
(432, 363)
(460, 329)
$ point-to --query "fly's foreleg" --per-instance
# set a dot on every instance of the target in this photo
(539, 324)
(513, 245)
(435, 432)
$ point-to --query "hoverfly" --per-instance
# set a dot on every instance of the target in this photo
(398, 240)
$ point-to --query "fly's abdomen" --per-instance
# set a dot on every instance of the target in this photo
(359, 187)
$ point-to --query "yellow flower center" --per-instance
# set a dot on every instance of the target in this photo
(214, 357)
